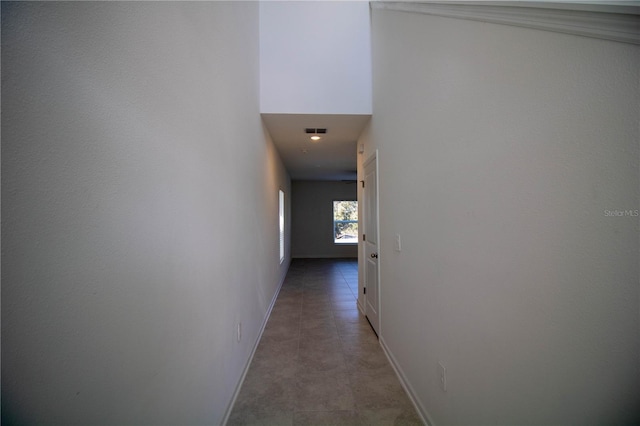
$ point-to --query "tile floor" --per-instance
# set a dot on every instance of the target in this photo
(319, 361)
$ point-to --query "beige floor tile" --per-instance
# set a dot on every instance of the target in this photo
(290, 315)
(276, 359)
(327, 418)
(323, 392)
(258, 418)
(390, 417)
(327, 362)
(379, 391)
(260, 395)
(319, 361)
(342, 305)
(322, 323)
(363, 361)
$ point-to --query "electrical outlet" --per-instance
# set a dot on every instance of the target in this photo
(239, 331)
(442, 375)
(398, 246)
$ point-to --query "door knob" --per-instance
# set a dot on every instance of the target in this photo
(374, 255)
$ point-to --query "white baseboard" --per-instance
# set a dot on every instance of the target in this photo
(422, 411)
(236, 392)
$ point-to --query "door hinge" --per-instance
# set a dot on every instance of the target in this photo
(364, 290)
(364, 237)
(362, 183)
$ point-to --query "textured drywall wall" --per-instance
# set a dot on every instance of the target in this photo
(139, 210)
(312, 218)
(315, 57)
(504, 154)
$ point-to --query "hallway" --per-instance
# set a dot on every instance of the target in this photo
(319, 361)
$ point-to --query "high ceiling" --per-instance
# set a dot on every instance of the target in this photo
(331, 158)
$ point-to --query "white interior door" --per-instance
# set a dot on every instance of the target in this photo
(371, 269)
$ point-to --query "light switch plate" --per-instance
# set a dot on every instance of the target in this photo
(442, 376)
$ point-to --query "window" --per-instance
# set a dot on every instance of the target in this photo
(345, 222)
(281, 220)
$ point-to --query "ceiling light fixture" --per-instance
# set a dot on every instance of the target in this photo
(315, 131)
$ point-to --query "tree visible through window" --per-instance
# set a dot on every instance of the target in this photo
(345, 222)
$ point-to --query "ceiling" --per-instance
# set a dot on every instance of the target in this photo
(333, 157)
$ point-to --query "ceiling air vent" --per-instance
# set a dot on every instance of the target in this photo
(313, 131)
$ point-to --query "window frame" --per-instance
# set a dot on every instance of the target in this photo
(334, 221)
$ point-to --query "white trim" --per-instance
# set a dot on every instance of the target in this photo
(617, 22)
(373, 158)
(236, 392)
(360, 307)
(422, 411)
(282, 225)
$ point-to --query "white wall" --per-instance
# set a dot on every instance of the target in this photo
(315, 57)
(500, 148)
(139, 207)
(312, 218)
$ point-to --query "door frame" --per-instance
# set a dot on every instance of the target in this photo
(374, 157)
